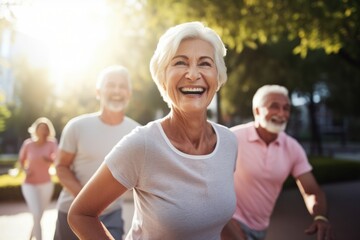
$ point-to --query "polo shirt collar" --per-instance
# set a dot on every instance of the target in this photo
(254, 136)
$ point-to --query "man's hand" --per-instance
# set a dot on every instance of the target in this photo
(322, 229)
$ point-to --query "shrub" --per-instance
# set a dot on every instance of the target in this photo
(329, 170)
(325, 169)
(10, 184)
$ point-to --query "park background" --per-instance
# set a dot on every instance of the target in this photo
(52, 51)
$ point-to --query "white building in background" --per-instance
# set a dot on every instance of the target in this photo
(6, 73)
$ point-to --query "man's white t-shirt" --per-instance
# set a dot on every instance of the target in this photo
(90, 140)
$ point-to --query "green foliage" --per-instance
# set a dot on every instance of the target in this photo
(10, 186)
(329, 170)
(124, 41)
(296, 43)
(4, 113)
(326, 170)
(343, 82)
(13, 193)
(317, 24)
(34, 93)
(11, 181)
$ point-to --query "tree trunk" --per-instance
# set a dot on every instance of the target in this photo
(315, 142)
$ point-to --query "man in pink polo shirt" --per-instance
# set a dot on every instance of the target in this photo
(266, 157)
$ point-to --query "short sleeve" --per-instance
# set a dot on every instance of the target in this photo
(126, 159)
(68, 141)
(23, 151)
(301, 162)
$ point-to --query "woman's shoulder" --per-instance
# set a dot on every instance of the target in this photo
(223, 131)
(145, 129)
(28, 141)
(142, 131)
(221, 128)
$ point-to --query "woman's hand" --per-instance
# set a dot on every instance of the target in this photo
(233, 231)
(47, 159)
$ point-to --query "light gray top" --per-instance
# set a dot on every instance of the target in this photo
(90, 139)
(176, 195)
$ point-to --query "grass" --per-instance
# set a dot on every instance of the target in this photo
(10, 184)
(326, 170)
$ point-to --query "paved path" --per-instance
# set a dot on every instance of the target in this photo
(289, 220)
(16, 221)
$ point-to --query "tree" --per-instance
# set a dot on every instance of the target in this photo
(275, 42)
(268, 42)
(33, 91)
(5, 23)
(4, 113)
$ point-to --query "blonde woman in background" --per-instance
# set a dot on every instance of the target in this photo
(35, 157)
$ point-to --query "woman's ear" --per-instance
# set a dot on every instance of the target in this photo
(164, 86)
(97, 94)
(256, 111)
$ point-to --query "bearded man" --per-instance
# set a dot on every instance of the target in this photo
(266, 157)
(84, 143)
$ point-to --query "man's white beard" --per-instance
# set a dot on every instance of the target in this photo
(116, 106)
(272, 127)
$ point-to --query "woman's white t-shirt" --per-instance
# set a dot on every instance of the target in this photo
(176, 195)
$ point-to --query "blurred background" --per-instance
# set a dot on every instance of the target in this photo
(52, 51)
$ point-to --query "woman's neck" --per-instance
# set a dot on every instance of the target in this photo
(190, 135)
(41, 140)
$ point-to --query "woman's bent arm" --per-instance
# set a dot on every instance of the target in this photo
(101, 190)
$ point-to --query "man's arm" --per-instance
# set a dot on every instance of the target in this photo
(66, 176)
(315, 201)
(233, 231)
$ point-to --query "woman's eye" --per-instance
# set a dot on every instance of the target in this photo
(179, 63)
(207, 64)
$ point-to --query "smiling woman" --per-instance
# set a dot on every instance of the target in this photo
(187, 153)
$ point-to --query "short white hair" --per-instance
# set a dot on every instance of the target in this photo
(261, 93)
(111, 71)
(42, 120)
(169, 43)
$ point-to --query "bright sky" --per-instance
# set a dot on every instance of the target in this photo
(65, 30)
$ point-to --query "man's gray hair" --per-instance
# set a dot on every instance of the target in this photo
(110, 71)
(261, 93)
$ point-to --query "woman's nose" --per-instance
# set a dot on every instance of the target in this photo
(193, 73)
